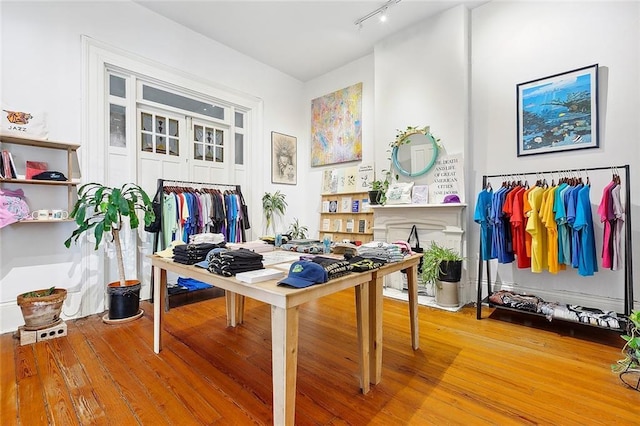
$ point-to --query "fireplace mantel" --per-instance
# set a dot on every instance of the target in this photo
(443, 223)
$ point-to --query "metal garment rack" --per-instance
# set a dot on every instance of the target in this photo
(628, 263)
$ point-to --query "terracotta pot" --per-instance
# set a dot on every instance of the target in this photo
(42, 312)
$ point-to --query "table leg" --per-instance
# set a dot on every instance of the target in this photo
(239, 308)
(375, 329)
(412, 281)
(284, 359)
(230, 300)
(362, 316)
(159, 290)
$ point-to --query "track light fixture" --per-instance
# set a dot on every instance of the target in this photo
(382, 11)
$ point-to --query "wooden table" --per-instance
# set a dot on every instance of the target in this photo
(410, 264)
(235, 309)
(284, 303)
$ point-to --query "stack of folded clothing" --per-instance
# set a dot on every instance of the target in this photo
(190, 254)
(231, 262)
(381, 250)
(206, 237)
(335, 267)
(363, 264)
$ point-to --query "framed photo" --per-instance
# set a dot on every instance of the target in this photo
(559, 112)
(284, 164)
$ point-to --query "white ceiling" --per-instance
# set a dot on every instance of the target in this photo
(304, 39)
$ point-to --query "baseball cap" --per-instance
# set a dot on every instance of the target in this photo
(304, 274)
(451, 198)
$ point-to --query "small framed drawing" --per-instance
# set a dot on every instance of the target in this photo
(559, 112)
(283, 159)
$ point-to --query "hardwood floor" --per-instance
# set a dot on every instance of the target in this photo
(512, 370)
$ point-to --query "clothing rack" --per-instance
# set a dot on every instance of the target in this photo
(628, 264)
(163, 184)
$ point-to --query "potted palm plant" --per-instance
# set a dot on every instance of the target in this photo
(273, 206)
(442, 267)
(102, 210)
(629, 366)
(296, 230)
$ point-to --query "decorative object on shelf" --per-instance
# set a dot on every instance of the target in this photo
(41, 308)
(442, 267)
(296, 230)
(337, 141)
(559, 112)
(273, 206)
(629, 366)
(31, 123)
(101, 209)
(410, 145)
(284, 154)
(399, 193)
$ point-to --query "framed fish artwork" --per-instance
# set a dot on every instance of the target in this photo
(559, 112)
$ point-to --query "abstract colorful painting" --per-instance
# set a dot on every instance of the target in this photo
(336, 127)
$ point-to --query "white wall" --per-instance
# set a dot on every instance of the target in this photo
(515, 42)
(359, 71)
(42, 69)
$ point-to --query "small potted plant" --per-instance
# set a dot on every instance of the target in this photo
(442, 267)
(629, 366)
(41, 308)
(102, 210)
(296, 230)
(273, 205)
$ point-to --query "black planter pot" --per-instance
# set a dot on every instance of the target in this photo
(450, 271)
(374, 197)
(124, 302)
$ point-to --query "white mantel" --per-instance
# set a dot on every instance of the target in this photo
(443, 223)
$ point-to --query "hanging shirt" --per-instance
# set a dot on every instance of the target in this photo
(519, 231)
(169, 219)
(482, 217)
(603, 211)
(588, 260)
(537, 231)
(618, 228)
(564, 247)
(549, 221)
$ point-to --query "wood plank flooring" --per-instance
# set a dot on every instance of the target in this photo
(504, 369)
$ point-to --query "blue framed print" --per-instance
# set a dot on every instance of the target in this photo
(559, 112)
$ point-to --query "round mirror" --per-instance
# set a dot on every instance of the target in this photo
(415, 154)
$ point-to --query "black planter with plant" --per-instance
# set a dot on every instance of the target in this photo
(442, 267)
(102, 210)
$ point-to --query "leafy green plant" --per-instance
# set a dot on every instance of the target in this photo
(39, 293)
(631, 349)
(296, 230)
(273, 204)
(432, 259)
(103, 209)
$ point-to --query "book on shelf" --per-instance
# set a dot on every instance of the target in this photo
(365, 206)
(345, 205)
(337, 225)
(326, 224)
(333, 206)
(259, 275)
(325, 206)
(355, 206)
(349, 225)
(8, 168)
(362, 226)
